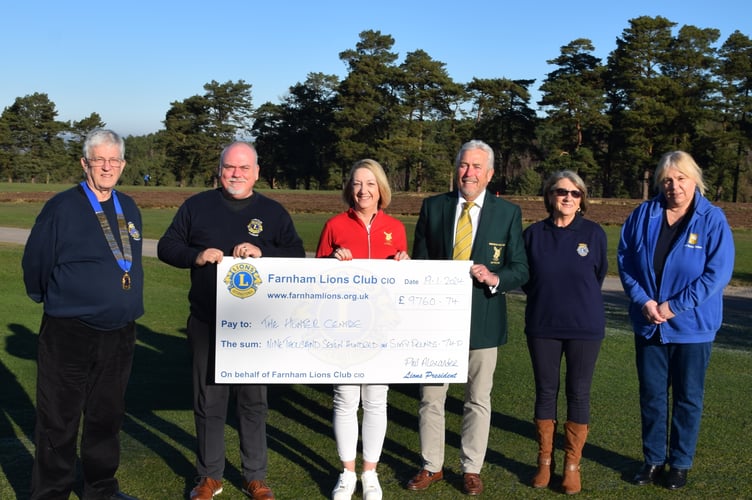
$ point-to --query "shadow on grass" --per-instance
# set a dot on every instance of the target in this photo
(161, 382)
(742, 277)
(401, 458)
(16, 458)
(291, 402)
(735, 330)
(310, 406)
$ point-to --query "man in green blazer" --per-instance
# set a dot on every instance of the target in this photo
(499, 264)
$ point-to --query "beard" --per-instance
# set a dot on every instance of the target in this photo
(235, 187)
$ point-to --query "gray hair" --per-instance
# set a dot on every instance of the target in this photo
(476, 144)
(232, 145)
(574, 179)
(100, 136)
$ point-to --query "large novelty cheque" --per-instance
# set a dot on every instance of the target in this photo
(324, 321)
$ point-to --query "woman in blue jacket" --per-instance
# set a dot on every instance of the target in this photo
(675, 257)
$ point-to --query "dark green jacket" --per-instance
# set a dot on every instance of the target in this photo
(498, 244)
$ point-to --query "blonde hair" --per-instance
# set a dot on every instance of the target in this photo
(385, 192)
(684, 163)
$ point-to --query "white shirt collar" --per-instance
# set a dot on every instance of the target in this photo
(478, 201)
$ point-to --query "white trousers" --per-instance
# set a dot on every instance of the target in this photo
(346, 402)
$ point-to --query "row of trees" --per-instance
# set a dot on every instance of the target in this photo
(660, 89)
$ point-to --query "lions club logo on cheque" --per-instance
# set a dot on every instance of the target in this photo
(242, 280)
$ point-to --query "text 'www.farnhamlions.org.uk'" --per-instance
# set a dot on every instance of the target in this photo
(353, 297)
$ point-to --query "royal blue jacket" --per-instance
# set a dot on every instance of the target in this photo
(698, 267)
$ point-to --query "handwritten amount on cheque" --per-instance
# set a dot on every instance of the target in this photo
(296, 343)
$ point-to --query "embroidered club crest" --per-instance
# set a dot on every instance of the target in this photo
(582, 250)
(496, 249)
(693, 237)
(255, 227)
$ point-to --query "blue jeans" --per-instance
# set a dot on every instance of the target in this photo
(680, 367)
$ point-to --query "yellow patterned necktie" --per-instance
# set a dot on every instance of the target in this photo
(463, 238)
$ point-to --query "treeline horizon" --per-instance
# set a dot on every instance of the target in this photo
(662, 88)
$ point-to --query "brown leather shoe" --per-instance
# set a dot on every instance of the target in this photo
(473, 485)
(258, 490)
(206, 489)
(423, 479)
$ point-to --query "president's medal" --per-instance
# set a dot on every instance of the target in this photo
(126, 281)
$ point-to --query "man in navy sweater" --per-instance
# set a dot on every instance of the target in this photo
(83, 261)
(232, 220)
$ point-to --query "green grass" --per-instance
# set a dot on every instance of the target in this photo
(158, 436)
(28, 187)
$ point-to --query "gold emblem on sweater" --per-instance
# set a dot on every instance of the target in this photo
(387, 238)
(255, 227)
(582, 249)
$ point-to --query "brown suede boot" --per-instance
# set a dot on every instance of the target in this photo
(545, 430)
(575, 437)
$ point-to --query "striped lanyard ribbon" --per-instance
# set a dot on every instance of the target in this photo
(124, 258)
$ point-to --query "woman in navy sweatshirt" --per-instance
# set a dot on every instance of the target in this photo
(564, 317)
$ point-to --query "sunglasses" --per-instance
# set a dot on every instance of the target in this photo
(563, 192)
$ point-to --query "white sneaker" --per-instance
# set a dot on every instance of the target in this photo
(345, 486)
(371, 486)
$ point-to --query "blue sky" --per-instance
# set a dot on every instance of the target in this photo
(129, 60)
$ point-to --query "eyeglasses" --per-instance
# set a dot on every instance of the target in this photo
(563, 192)
(100, 162)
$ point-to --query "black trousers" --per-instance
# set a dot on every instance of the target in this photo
(80, 371)
(210, 405)
(581, 355)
